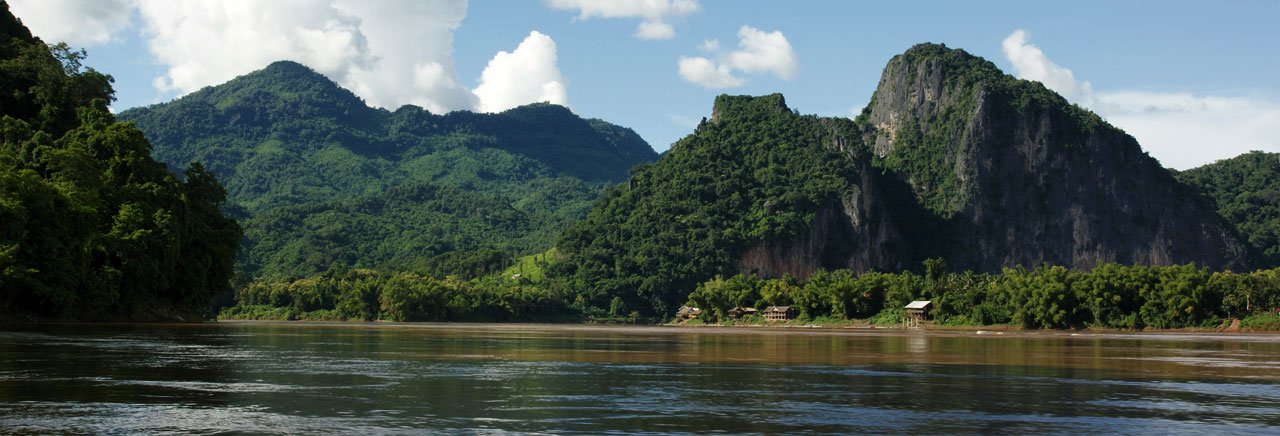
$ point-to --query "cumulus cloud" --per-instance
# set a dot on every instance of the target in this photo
(79, 23)
(758, 52)
(654, 13)
(209, 42)
(383, 53)
(412, 42)
(706, 73)
(764, 52)
(526, 74)
(1181, 129)
(391, 52)
(1032, 64)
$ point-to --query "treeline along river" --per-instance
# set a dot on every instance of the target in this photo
(393, 378)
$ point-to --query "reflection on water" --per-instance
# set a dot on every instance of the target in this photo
(403, 378)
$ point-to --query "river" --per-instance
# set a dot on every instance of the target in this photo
(498, 378)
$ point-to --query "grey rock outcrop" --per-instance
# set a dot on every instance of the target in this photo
(1022, 177)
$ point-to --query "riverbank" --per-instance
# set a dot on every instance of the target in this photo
(1263, 323)
(775, 329)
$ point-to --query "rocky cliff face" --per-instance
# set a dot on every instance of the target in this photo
(1022, 177)
(858, 232)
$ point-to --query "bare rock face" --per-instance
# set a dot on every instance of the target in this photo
(857, 233)
(1013, 174)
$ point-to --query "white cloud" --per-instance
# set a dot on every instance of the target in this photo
(1184, 130)
(761, 52)
(79, 23)
(1181, 129)
(758, 52)
(1032, 64)
(391, 52)
(208, 42)
(376, 50)
(707, 74)
(413, 44)
(710, 45)
(655, 30)
(526, 74)
(654, 13)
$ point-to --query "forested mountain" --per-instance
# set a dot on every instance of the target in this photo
(755, 172)
(325, 180)
(1246, 190)
(91, 227)
(952, 159)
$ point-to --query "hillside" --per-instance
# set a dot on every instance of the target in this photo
(1246, 190)
(320, 175)
(91, 226)
(952, 159)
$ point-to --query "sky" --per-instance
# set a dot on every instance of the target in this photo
(1194, 82)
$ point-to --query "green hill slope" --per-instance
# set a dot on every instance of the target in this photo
(322, 177)
(1246, 190)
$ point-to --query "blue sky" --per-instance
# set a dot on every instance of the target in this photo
(1193, 81)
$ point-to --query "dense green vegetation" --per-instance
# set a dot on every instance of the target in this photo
(324, 180)
(1109, 296)
(91, 227)
(1246, 190)
(368, 295)
(756, 172)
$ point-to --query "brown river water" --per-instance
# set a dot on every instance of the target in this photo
(309, 378)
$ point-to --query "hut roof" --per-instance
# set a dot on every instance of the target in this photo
(919, 304)
(777, 308)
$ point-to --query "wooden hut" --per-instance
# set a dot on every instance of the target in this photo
(917, 312)
(688, 312)
(779, 313)
(739, 312)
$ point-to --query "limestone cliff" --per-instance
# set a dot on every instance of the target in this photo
(951, 159)
(1022, 177)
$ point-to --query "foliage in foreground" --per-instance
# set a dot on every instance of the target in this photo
(91, 227)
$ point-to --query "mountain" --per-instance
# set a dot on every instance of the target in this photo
(754, 172)
(952, 159)
(91, 226)
(1019, 176)
(1246, 190)
(320, 175)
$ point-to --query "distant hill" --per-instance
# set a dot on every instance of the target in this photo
(952, 159)
(1246, 190)
(325, 180)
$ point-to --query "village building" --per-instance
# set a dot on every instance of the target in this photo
(688, 312)
(739, 312)
(779, 313)
(917, 313)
